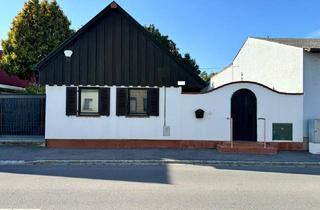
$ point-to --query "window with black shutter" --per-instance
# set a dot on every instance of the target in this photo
(104, 98)
(122, 94)
(138, 102)
(153, 102)
(91, 101)
(71, 101)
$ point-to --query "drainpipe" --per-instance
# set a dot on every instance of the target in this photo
(166, 129)
(165, 107)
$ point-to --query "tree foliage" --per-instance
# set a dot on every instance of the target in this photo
(38, 29)
(35, 89)
(172, 47)
(204, 75)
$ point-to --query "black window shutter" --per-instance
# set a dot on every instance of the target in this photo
(122, 96)
(71, 101)
(153, 101)
(104, 101)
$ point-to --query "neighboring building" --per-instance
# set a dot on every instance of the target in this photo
(113, 85)
(287, 65)
(11, 84)
(282, 64)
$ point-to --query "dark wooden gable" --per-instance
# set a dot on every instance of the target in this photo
(113, 49)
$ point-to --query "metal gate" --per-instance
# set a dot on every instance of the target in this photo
(22, 115)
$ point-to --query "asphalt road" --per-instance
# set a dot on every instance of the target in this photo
(159, 187)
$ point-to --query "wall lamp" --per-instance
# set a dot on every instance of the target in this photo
(68, 53)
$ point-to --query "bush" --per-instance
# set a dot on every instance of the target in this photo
(35, 89)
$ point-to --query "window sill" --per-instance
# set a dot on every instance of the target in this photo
(137, 116)
(88, 115)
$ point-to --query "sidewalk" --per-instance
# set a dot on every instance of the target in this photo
(40, 155)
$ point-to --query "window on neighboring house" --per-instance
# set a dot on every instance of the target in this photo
(89, 100)
(138, 101)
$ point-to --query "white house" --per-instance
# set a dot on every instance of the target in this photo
(285, 65)
(113, 85)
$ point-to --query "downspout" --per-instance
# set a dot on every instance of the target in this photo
(166, 129)
(165, 107)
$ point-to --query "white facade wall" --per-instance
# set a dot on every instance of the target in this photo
(311, 83)
(277, 108)
(223, 77)
(277, 66)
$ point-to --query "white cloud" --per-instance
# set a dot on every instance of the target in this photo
(314, 34)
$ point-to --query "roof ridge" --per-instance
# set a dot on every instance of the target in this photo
(305, 43)
(289, 38)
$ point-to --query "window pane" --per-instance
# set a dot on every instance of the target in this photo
(138, 101)
(90, 100)
(133, 105)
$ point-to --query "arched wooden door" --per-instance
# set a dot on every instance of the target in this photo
(244, 115)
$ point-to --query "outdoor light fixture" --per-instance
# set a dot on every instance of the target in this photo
(68, 53)
(181, 83)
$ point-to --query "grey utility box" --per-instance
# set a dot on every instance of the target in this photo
(314, 136)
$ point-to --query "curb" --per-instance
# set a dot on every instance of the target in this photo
(155, 162)
(13, 142)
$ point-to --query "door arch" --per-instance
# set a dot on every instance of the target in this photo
(244, 115)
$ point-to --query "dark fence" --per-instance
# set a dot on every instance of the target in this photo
(22, 115)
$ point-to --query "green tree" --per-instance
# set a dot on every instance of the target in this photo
(204, 75)
(191, 61)
(172, 47)
(35, 89)
(38, 29)
(164, 40)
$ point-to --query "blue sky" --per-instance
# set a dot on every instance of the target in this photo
(211, 30)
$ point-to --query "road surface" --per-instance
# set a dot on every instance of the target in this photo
(158, 187)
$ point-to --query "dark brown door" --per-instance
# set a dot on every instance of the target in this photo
(244, 115)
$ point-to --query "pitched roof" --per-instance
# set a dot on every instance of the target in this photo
(122, 49)
(296, 42)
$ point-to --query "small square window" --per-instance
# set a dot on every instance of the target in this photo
(89, 101)
(138, 101)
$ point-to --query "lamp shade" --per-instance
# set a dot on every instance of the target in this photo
(68, 53)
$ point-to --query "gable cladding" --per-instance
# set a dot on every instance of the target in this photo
(113, 49)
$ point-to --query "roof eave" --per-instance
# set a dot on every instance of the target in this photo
(312, 50)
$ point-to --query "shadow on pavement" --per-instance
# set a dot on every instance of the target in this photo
(130, 173)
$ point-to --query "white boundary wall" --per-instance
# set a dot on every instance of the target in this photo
(277, 108)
